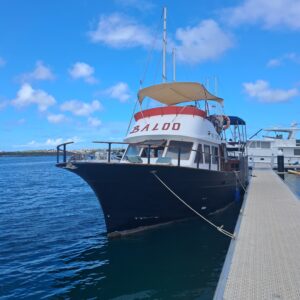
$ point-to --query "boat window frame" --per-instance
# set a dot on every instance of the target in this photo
(295, 149)
(155, 147)
(133, 145)
(214, 155)
(182, 154)
(265, 143)
(207, 154)
(252, 145)
(199, 152)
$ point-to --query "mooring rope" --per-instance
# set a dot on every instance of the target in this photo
(219, 228)
(238, 178)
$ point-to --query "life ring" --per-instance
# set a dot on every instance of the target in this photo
(227, 120)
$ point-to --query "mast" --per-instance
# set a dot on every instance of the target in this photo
(164, 77)
(174, 63)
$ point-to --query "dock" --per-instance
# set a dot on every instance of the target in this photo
(263, 261)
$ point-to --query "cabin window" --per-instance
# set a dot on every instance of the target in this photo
(185, 149)
(297, 142)
(296, 151)
(265, 145)
(133, 150)
(154, 152)
(260, 144)
(215, 154)
(156, 148)
(199, 155)
(207, 154)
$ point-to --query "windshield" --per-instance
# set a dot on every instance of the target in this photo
(133, 150)
(185, 149)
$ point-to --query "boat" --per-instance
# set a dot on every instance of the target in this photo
(274, 141)
(175, 165)
(294, 172)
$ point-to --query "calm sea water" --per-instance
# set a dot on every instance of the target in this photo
(53, 243)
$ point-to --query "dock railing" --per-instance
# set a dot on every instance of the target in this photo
(271, 161)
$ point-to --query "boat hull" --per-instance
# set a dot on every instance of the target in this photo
(132, 198)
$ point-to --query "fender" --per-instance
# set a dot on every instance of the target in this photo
(227, 120)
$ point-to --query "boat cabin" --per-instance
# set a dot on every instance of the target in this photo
(264, 149)
(176, 135)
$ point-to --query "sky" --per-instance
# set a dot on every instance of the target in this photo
(70, 70)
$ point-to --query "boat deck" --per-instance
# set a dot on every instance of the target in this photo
(263, 262)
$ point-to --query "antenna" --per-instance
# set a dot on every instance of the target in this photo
(174, 63)
(164, 77)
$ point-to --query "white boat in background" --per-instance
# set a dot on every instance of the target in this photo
(274, 141)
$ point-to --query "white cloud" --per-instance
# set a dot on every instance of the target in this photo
(262, 91)
(270, 13)
(41, 72)
(276, 62)
(94, 122)
(119, 91)
(203, 42)
(2, 61)
(50, 142)
(27, 95)
(56, 118)
(119, 31)
(82, 70)
(80, 108)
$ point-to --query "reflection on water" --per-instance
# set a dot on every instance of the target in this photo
(182, 260)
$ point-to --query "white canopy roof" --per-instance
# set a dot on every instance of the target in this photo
(177, 92)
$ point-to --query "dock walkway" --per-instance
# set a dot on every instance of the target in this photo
(263, 262)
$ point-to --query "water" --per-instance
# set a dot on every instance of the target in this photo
(53, 243)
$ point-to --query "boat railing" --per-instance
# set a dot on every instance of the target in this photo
(272, 160)
(62, 148)
(216, 158)
(89, 155)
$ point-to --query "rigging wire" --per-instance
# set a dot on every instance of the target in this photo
(137, 100)
(150, 53)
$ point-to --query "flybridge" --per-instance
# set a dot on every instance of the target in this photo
(170, 110)
(177, 92)
(180, 120)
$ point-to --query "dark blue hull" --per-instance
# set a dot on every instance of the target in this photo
(132, 197)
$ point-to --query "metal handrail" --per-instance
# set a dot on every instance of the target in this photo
(64, 151)
(250, 155)
(219, 159)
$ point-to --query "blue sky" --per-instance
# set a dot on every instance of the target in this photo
(71, 69)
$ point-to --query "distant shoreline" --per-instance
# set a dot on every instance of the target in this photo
(27, 153)
(49, 152)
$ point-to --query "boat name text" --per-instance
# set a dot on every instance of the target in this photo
(148, 127)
